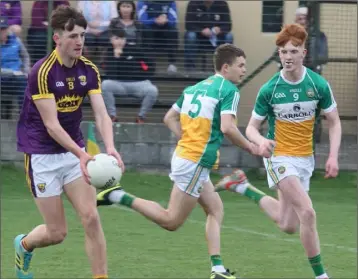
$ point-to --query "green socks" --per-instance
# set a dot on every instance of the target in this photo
(317, 265)
(127, 200)
(216, 260)
(254, 194)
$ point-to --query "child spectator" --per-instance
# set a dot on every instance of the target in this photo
(127, 74)
(127, 20)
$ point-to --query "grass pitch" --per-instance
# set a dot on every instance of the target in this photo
(251, 244)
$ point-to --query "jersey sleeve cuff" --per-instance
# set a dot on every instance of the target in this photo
(258, 116)
(43, 96)
(331, 108)
(176, 108)
(94, 91)
(229, 112)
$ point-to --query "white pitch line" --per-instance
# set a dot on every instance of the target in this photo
(252, 232)
(238, 229)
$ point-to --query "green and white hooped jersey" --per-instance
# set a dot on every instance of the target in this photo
(291, 108)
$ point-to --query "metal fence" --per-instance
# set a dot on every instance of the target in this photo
(168, 60)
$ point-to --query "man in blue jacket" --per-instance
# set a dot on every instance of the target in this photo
(159, 19)
(15, 65)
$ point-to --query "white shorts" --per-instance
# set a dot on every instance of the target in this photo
(188, 176)
(279, 167)
(46, 174)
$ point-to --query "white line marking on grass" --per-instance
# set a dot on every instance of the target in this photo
(237, 229)
(252, 232)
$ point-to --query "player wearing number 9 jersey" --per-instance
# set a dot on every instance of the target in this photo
(200, 118)
(291, 100)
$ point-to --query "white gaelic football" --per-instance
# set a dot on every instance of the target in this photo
(104, 171)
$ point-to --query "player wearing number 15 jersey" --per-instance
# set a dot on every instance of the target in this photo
(200, 118)
(291, 100)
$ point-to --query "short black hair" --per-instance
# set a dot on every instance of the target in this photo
(226, 54)
(65, 18)
(115, 29)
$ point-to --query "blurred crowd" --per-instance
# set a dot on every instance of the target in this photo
(123, 39)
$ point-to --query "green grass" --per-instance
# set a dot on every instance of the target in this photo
(251, 244)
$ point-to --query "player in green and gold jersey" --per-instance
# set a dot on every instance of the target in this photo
(203, 114)
(291, 100)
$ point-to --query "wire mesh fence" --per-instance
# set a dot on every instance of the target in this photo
(134, 43)
(339, 23)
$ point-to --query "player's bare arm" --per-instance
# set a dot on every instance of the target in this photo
(253, 134)
(229, 129)
(172, 120)
(335, 135)
(104, 126)
(48, 112)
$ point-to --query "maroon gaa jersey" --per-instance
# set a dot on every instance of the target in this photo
(50, 79)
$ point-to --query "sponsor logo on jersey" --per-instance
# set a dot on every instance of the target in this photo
(59, 84)
(69, 103)
(296, 90)
(297, 113)
(296, 107)
(310, 93)
(280, 95)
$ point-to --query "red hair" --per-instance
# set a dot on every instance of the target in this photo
(292, 32)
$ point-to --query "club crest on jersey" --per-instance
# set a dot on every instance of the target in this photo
(41, 187)
(83, 80)
(310, 93)
(281, 170)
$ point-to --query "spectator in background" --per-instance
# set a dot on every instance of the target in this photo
(318, 45)
(12, 11)
(127, 20)
(98, 15)
(37, 33)
(159, 19)
(208, 24)
(127, 74)
(15, 66)
(321, 46)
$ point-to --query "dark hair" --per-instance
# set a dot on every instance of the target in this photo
(116, 30)
(226, 54)
(130, 2)
(66, 17)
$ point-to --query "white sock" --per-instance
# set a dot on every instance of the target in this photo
(323, 276)
(241, 188)
(116, 196)
(218, 268)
